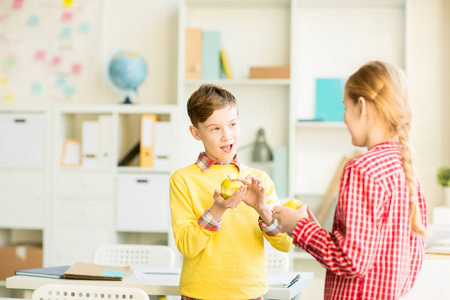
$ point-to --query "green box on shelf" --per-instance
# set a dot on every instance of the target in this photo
(329, 96)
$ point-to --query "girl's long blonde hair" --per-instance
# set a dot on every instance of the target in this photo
(384, 87)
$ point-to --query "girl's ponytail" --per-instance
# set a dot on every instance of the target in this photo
(415, 215)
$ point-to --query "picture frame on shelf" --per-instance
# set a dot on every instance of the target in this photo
(71, 153)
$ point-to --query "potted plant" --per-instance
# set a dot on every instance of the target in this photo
(443, 177)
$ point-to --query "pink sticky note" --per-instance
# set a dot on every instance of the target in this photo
(39, 55)
(67, 16)
(17, 4)
(76, 68)
(56, 60)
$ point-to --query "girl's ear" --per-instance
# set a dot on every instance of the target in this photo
(194, 132)
(362, 103)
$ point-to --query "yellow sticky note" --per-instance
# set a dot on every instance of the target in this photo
(4, 81)
(9, 98)
(67, 2)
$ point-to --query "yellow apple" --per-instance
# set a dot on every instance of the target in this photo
(294, 203)
(229, 186)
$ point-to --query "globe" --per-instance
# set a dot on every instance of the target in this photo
(126, 70)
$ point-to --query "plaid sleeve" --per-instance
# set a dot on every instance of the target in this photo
(272, 229)
(207, 222)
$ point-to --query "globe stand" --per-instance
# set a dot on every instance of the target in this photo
(127, 101)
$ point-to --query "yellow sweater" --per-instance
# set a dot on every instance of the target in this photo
(229, 263)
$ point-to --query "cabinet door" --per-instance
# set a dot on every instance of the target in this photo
(22, 199)
(143, 202)
(70, 244)
(23, 140)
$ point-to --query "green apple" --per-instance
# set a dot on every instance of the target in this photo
(229, 186)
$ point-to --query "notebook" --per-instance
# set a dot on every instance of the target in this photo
(90, 271)
(51, 272)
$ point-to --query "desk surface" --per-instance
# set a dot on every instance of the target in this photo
(166, 286)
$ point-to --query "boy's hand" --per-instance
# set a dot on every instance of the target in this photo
(255, 192)
(221, 205)
(288, 217)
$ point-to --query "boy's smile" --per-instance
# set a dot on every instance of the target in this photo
(219, 134)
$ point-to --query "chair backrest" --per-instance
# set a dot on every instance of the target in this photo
(135, 255)
(87, 292)
(277, 261)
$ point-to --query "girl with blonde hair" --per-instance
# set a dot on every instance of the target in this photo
(377, 243)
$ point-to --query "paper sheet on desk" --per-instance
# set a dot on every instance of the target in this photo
(163, 273)
(282, 280)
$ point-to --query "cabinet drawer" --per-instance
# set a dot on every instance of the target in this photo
(85, 213)
(86, 185)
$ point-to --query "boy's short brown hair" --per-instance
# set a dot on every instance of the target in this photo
(207, 99)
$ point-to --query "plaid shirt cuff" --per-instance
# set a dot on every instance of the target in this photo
(303, 232)
(207, 222)
(272, 229)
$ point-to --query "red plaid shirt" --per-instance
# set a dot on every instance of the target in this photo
(371, 252)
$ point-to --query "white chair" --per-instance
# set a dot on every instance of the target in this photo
(135, 256)
(277, 261)
(87, 292)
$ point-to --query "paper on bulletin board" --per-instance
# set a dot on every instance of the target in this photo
(42, 41)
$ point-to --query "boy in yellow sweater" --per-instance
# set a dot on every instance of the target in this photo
(222, 241)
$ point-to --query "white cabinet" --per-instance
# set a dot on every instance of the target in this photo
(142, 202)
(23, 140)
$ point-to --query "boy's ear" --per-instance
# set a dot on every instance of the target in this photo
(194, 132)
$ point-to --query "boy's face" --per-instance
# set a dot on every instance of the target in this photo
(219, 134)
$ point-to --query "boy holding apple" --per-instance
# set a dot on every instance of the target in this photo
(222, 240)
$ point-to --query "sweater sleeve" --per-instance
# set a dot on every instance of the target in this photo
(349, 250)
(280, 241)
(190, 237)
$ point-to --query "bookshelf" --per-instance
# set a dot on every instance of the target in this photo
(64, 205)
(306, 35)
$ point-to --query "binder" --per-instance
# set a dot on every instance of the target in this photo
(226, 64)
(193, 59)
(147, 140)
(130, 155)
(105, 142)
(90, 144)
(329, 95)
(163, 145)
(211, 65)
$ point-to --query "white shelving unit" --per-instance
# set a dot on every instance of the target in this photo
(254, 33)
(75, 208)
(317, 39)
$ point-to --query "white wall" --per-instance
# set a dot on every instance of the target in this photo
(149, 28)
(428, 98)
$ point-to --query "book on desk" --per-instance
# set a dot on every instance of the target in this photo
(79, 270)
(51, 272)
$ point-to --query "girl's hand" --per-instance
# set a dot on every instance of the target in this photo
(288, 217)
(256, 191)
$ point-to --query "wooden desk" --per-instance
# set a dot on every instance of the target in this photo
(166, 286)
